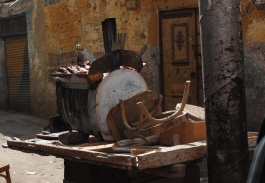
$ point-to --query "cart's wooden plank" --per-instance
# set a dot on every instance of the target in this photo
(118, 159)
(100, 148)
(252, 141)
(178, 154)
(172, 155)
(151, 140)
(163, 156)
(194, 111)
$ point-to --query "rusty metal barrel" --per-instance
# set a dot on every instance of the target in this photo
(85, 109)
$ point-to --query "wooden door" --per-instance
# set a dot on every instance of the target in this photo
(179, 55)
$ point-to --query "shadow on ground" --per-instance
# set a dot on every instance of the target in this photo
(19, 125)
(27, 167)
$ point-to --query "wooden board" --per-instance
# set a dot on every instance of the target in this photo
(151, 140)
(172, 155)
(178, 154)
(194, 111)
(51, 136)
(184, 133)
(252, 139)
(101, 147)
(163, 156)
(166, 154)
(127, 160)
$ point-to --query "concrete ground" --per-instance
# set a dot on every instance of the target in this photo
(27, 167)
(30, 167)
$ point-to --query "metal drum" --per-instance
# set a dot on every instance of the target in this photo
(85, 109)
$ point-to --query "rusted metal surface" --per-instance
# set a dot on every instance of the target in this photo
(224, 90)
(85, 109)
(74, 81)
(75, 109)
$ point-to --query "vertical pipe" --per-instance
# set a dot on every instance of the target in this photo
(224, 90)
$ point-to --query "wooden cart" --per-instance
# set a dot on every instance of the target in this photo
(103, 162)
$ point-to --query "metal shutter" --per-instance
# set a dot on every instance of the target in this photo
(16, 50)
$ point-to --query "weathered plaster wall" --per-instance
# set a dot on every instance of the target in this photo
(68, 23)
(42, 87)
(43, 93)
(254, 50)
(56, 26)
(60, 24)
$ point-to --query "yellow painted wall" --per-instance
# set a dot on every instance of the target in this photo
(252, 22)
(56, 26)
(79, 21)
(70, 22)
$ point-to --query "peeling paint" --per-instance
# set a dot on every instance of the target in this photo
(255, 32)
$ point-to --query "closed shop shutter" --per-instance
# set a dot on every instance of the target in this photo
(16, 50)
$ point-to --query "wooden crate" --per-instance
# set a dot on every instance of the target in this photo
(184, 133)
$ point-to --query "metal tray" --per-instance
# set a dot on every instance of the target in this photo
(74, 81)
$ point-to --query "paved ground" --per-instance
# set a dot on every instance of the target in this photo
(27, 167)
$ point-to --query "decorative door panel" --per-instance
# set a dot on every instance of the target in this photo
(179, 46)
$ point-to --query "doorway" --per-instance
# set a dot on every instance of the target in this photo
(17, 62)
(180, 58)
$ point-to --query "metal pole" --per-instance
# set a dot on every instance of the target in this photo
(224, 90)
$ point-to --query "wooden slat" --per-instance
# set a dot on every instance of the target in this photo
(151, 140)
(252, 141)
(172, 155)
(106, 158)
(178, 154)
(107, 147)
(194, 111)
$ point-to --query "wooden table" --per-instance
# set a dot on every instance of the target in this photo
(97, 163)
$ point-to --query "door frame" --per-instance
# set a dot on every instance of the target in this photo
(174, 13)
